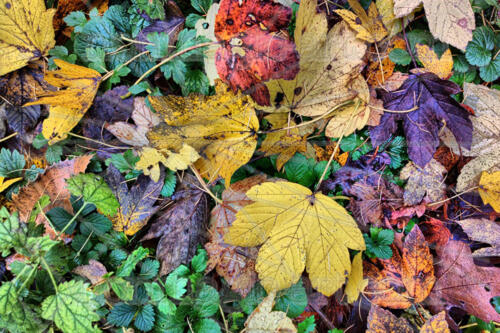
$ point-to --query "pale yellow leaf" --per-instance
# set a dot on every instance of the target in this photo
(355, 282)
(4, 184)
(489, 189)
(264, 320)
(471, 172)
(298, 229)
(205, 27)
(26, 33)
(392, 24)
(68, 105)
(369, 26)
(442, 67)
(181, 160)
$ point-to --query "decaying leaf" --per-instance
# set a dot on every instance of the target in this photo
(484, 231)
(383, 321)
(236, 264)
(442, 67)
(462, 284)
(206, 27)
(471, 173)
(26, 33)
(393, 25)
(355, 282)
(298, 229)
(435, 231)
(329, 61)
(181, 227)
(221, 128)
(436, 324)
(144, 120)
(65, 7)
(368, 25)
(381, 67)
(263, 319)
(94, 271)
(426, 182)
(136, 203)
(449, 21)
(489, 189)
(67, 106)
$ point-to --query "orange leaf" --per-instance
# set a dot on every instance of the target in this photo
(383, 321)
(436, 324)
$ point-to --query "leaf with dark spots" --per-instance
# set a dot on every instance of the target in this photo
(136, 204)
(435, 108)
(181, 227)
(380, 320)
(23, 85)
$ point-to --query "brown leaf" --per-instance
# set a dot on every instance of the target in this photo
(234, 263)
(383, 321)
(484, 231)
(427, 182)
(23, 85)
(436, 324)
(417, 266)
(446, 157)
(462, 284)
(435, 231)
(181, 227)
(94, 271)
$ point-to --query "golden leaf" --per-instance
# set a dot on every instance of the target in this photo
(436, 324)
(368, 25)
(67, 106)
(221, 128)
(442, 67)
(26, 33)
(298, 229)
(329, 61)
(383, 321)
(392, 24)
(4, 184)
(489, 189)
(263, 319)
(355, 282)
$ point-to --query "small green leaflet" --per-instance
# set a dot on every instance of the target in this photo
(377, 244)
(94, 190)
(9, 231)
(307, 325)
(11, 163)
(400, 57)
(133, 259)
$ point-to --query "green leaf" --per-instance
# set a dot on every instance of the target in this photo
(400, 57)
(175, 286)
(168, 323)
(154, 291)
(478, 51)
(96, 56)
(133, 259)
(59, 218)
(491, 71)
(196, 81)
(117, 256)
(292, 301)
(149, 269)
(72, 308)
(160, 48)
(117, 15)
(145, 318)
(8, 298)
(206, 325)
(10, 233)
(76, 19)
(298, 170)
(94, 190)
(207, 300)
(122, 288)
(166, 306)
(121, 314)
(382, 251)
(119, 72)
(201, 6)
(419, 36)
(307, 325)
(319, 168)
(175, 69)
(199, 261)
(54, 153)
(123, 162)
(253, 299)
(169, 187)
(95, 223)
(460, 64)
(153, 8)
(385, 237)
(11, 163)
(191, 20)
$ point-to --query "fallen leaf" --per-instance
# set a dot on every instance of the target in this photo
(452, 22)
(368, 25)
(489, 189)
(94, 271)
(442, 67)
(67, 106)
(252, 50)
(264, 319)
(446, 157)
(431, 97)
(181, 227)
(206, 27)
(417, 266)
(377, 73)
(436, 324)
(423, 183)
(65, 7)
(136, 203)
(393, 25)
(435, 231)
(221, 128)
(4, 184)
(235, 264)
(298, 230)
(462, 284)
(135, 135)
(471, 172)
(355, 282)
(26, 33)
(383, 321)
(329, 61)
(484, 231)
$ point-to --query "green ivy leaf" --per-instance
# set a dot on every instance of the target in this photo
(94, 190)
(478, 50)
(460, 64)
(76, 19)
(491, 71)
(400, 57)
(160, 48)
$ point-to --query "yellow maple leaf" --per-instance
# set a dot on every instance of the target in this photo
(329, 61)
(489, 189)
(68, 105)
(355, 283)
(369, 26)
(26, 33)
(298, 229)
(4, 184)
(392, 24)
(442, 67)
(222, 128)
(264, 319)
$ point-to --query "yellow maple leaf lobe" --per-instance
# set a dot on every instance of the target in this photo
(298, 229)
(4, 184)
(489, 189)
(263, 319)
(355, 283)
(442, 67)
(68, 105)
(222, 128)
(26, 32)
(369, 26)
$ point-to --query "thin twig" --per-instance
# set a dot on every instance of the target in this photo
(110, 73)
(96, 141)
(205, 187)
(453, 197)
(8, 137)
(408, 47)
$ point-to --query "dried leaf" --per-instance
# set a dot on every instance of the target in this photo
(383, 321)
(489, 189)
(206, 27)
(436, 324)
(442, 67)
(26, 33)
(263, 319)
(67, 106)
(435, 231)
(377, 75)
(355, 282)
(94, 271)
(298, 229)
(471, 172)
(369, 25)
(484, 231)
(427, 182)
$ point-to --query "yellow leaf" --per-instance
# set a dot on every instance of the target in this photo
(4, 184)
(329, 61)
(368, 25)
(205, 27)
(436, 324)
(67, 106)
(298, 229)
(441, 67)
(26, 33)
(355, 283)
(264, 320)
(392, 24)
(489, 189)
(222, 128)
(150, 159)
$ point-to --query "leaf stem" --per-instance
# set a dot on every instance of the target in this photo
(33, 270)
(205, 187)
(72, 219)
(453, 197)
(8, 137)
(49, 271)
(96, 141)
(408, 47)
(110, 73)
